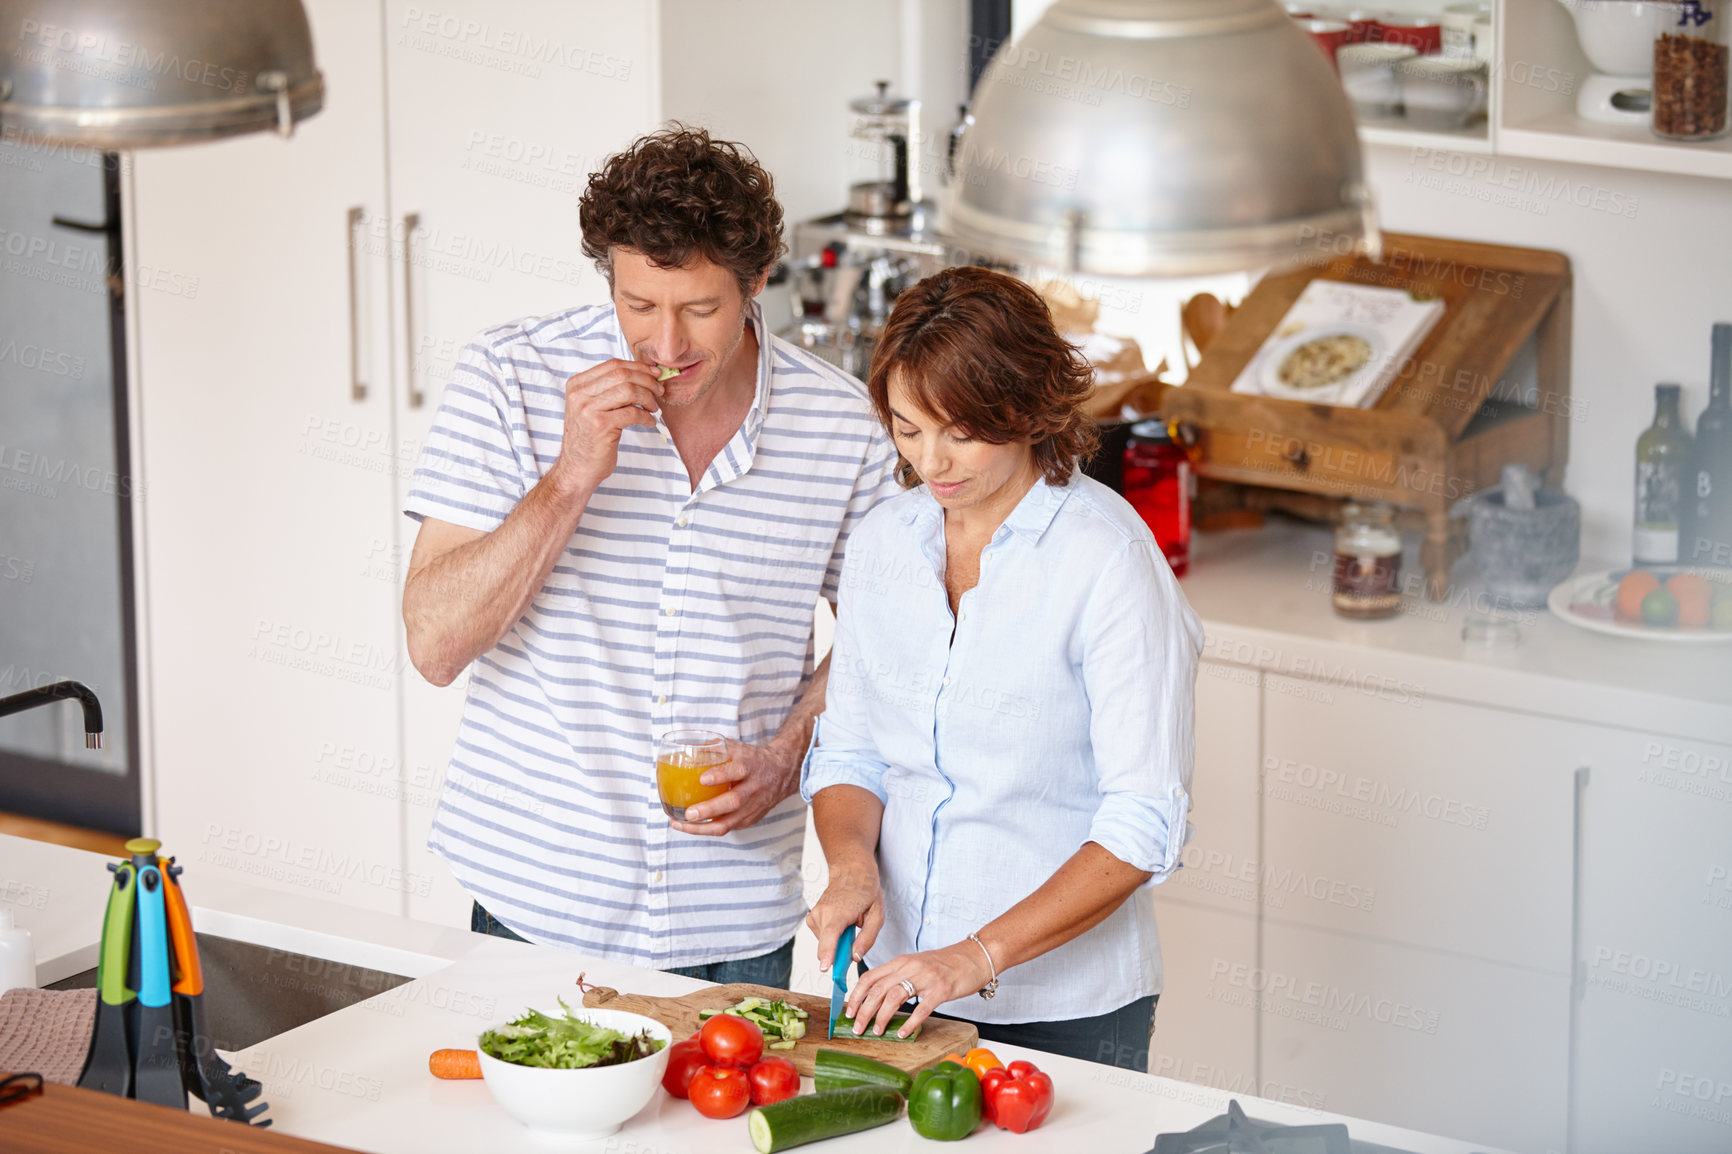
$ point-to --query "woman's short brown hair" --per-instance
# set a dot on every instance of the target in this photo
(676, 195)
(979, 349)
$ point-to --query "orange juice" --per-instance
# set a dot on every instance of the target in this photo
(677, 776)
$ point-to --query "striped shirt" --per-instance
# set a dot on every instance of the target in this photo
(671, 608)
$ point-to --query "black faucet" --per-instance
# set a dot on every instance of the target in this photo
(31, 698)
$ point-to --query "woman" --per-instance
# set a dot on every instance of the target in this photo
(1002, 766)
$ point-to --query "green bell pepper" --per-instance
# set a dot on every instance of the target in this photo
(945, 1102)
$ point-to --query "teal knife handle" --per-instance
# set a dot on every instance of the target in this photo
(844, 957)
(117, 938)
(152, 939)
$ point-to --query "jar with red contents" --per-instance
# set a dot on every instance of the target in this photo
(1158, 486)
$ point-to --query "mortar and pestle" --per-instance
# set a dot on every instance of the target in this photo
(1521, 538)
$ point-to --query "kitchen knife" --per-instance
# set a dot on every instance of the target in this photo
(108, 1065)
(839, 976)
(155, 1060)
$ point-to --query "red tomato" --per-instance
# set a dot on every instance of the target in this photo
(684, 1059)
(721, 1091)
(731, 1041)
(772, 1080)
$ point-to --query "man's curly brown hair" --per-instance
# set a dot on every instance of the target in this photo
(676, 195)
(979, 349)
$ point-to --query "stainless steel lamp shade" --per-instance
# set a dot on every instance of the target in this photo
(119, 74)
(1160, 138)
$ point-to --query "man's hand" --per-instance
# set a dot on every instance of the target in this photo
(600, 403)
(762, 775)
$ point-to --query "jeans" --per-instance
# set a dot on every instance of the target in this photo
(773, 969)
(1120, 1038)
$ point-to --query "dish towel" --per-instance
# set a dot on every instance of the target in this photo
(47, 1031)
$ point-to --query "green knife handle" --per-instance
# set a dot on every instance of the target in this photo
(117, 938)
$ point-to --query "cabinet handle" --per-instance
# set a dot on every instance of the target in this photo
(411, 222)
(357, 387)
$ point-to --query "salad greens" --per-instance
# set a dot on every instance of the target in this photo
(570, 1043)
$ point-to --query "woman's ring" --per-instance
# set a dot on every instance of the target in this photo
(909, 986)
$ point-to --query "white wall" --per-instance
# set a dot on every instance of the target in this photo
(777, 75)
(1649, 281)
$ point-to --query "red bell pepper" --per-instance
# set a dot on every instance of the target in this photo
(1017, 1097)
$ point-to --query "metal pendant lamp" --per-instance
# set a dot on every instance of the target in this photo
(121, 74)
(1160, 138)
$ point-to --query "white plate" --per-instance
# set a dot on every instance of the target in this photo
(1269, 373)
(1581, 600)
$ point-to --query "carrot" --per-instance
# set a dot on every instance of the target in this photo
(454, 1064)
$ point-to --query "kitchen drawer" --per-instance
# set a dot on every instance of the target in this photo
(1425, 1039)
(1402, 818)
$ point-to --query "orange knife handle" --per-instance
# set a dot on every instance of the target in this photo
(191, 978)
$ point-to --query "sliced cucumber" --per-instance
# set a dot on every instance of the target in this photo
(814, 1117)
(845, 1024)
(777, 1019)
(835, 1070)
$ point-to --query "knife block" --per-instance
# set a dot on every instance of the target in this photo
(1461, 409)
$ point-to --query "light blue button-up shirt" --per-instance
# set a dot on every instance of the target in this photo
(1059, 713)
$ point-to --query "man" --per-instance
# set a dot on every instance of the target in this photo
(618, 556)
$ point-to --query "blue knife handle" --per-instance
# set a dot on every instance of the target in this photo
(152, 939)
(844, 957)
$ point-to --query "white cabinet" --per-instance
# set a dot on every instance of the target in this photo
(1416, 1037)
(1207, 911)
(1653, 1053)
(285, 395)
(272, 651)
(1416, 968)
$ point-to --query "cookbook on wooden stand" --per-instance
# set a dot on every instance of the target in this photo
(1487, 386)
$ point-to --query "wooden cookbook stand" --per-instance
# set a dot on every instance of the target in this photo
(1463, 406)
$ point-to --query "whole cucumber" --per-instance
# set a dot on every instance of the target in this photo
(835, 1070)
(815, 1117)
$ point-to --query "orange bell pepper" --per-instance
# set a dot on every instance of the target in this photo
(980, 1061)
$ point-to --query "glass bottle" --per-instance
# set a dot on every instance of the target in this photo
(1367, 579)
(1691, 49)
(1157, 483)
(1662, 455)
(1707, 536)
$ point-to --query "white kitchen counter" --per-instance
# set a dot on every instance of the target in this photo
(1263, 595)
(358, 1077)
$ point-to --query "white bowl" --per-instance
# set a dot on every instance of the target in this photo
(586, 1103)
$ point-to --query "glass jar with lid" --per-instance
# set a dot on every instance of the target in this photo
(1157, 483)
(1691, 49)
(1367, 581)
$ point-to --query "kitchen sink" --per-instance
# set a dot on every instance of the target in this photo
(252, 992)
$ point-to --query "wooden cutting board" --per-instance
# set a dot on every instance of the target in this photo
(938, 1037)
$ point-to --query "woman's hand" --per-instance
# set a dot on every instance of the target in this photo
(853, 898)
(936, 975)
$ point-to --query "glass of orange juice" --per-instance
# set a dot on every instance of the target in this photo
(682, 755)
